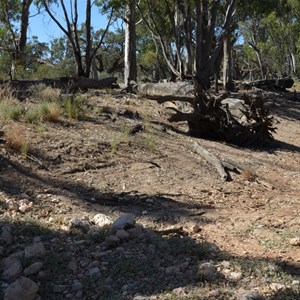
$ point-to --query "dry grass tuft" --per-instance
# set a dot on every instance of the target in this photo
(249, 174)
(47, 94)
(16, 138)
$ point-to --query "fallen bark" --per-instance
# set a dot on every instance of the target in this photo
(213, 160)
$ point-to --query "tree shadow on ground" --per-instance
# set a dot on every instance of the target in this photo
(16, 180)
(147, 264)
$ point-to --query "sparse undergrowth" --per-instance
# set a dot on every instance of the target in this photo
(112, 158)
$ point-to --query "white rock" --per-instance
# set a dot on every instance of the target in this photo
(24, 205)
(124, 222)
(33, 269)
(295, 242)
(13, 270)
(277, 286)
(23, 288)
(235, 276)
(122, 234)
(102, 220)
(35, 250)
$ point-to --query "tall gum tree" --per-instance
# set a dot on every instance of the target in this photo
(84, 56)
(14, 16)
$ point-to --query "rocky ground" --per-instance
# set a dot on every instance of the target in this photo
(118, 205)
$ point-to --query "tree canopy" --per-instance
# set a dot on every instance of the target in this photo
(155, 40)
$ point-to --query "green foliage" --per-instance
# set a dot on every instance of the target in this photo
(74, 107)
(9, 110)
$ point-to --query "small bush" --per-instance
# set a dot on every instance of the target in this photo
(43, 112)
(45, 93)
(9, 110)
(16, 138)
(74, 107)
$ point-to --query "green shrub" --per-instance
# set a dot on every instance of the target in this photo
(9, 110)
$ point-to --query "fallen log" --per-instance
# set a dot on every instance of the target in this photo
(24, 87)
(283, 84)
(241, 120)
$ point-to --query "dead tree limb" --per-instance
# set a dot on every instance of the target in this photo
(212, 159)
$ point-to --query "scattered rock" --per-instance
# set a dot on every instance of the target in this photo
(35, 250)
(249, 295)
(136, 232)
(13, 270)
(33, 269)
(277, 287)
(72, 265)
(172, 270)
(195, 228)
(122, 234)
(83, 225)
(214, 293)
(102, 220)
(23, 288)
(6, 236)
(77, 286)
(207, 271)
(124, 222)
(93, 271)
(25, 205)
(59, 288)
(235, 276)
(295, 242)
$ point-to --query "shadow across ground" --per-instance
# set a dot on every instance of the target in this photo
(153, 263)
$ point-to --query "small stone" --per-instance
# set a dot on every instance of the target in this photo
(249, 295)
(35, 250)
(33, 269)
(113, 239)
(277, 287)
(172, 270)
(235, 276)
(59, 288)
(25, 205)
(80, 224)
(72, 265)
(124, 222)
(195, 228)
(136, 232)
(93, 271)
(122, 234)
(23, 288)
(296, 282)
(13, 271)
(6, 236)
(295, 242)
(102, 220)
(207, 271)
(77, 286)
(214, 293)
(79, 295)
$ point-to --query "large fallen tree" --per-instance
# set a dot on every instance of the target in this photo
(241, 120)
(23, 88)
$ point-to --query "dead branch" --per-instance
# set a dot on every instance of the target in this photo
(212, 159)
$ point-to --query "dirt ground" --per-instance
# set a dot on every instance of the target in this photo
(124, 157)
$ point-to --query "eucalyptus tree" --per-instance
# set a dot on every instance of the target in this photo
(70, 26)
(14, 18)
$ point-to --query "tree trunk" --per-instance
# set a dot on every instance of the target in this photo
(227, 64)
(130, 69)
